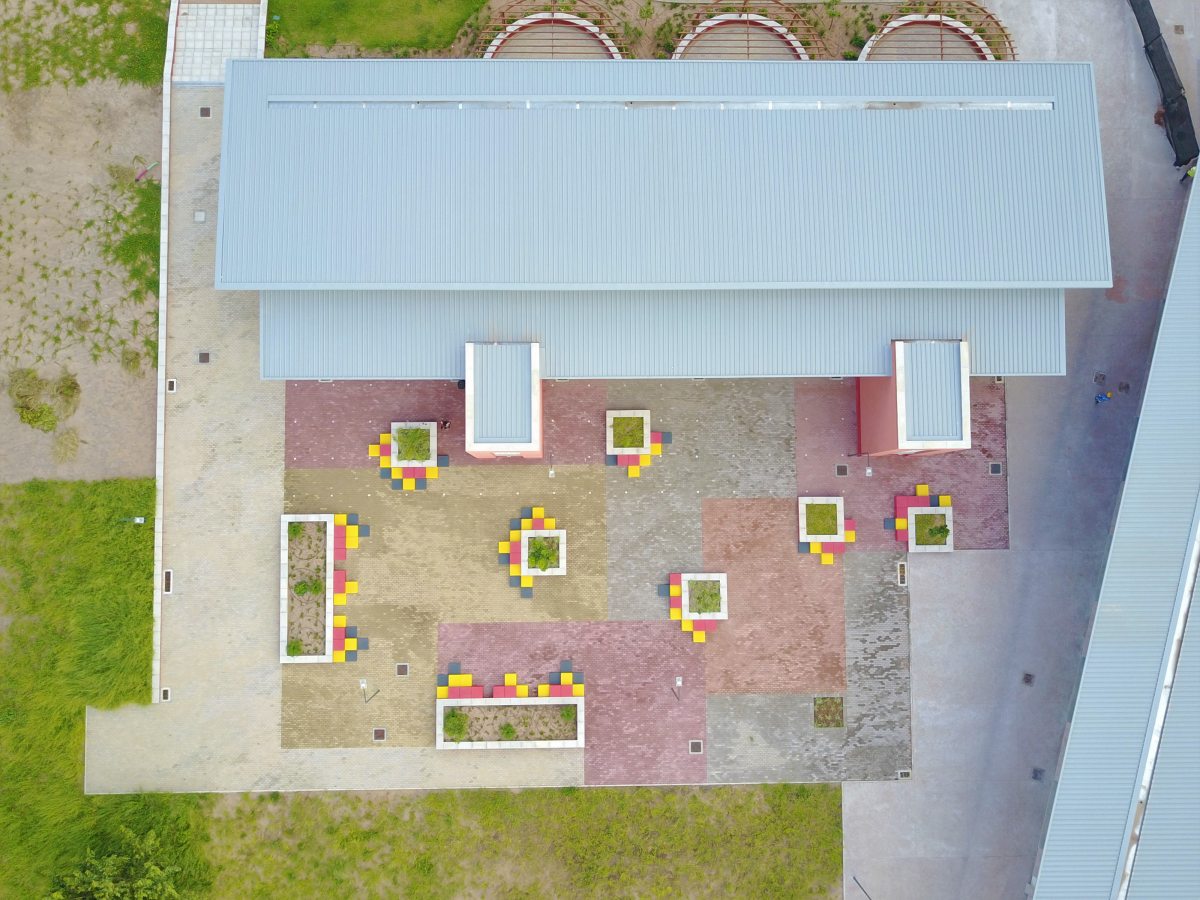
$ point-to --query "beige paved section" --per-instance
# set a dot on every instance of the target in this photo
(223, 495)
(431, 557)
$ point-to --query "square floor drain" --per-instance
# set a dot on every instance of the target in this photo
(841, 470)
(996, 468)
(166, 695)
(379, 734)
(695, 746)
(203, 357)
(206, 112)
(1027, 678)
(1099, 378)
(402, 669)
(1038, 774)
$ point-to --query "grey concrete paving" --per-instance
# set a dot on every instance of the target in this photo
(970, 821)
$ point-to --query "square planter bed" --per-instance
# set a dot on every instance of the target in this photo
(923, 523)
(627, 432)
(306, 588)
(821, 519)
(553, 543)
(705, 595)
(410, 440)
(524, 723)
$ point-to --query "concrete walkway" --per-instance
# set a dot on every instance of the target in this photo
(970, 821)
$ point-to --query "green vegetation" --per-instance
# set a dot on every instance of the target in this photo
(454, 724)
(295, 647)
(628, 432)
(704, 596)
(543, 553)
(313, 586)
(295, 529)
(46, 42)
(608, 842)
(76, 581)
(27, 390)
(828, 712)
(66, 445)
(131, 232)
(567, 713)
(932, 529)
(508, 732)
(820, 518)
(392, 26)
(412, 444)
(141, 870)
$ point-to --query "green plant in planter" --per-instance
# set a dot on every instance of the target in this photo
(507, 732)
(820, 518)
(628, 432)
(295, 529)
(294, 647)
(940, 531)
(704, 596)
(568, 713)
(454, 724)
(412, 443)
(543, 553)
(932, 529)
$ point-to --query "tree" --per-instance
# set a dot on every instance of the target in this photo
(137, 873)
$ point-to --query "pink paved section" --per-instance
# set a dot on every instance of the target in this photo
(637, 730)
(329, 426)
(787, 619)
(827, 434)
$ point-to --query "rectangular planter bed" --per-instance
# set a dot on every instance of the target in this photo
(691, 597)
(537, 723)
(618, 425)
(306, 588)
(829, 524)
(920, 520)
(401, 458)
(560, 535)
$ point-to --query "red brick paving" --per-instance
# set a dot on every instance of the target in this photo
(826, 434)
(637, 732)
(787, 620)
(329, 426)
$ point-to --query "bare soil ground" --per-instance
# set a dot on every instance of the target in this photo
(59, 150)
(306, 612)
(532, 723)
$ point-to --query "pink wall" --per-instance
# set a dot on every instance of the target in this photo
(877, 424)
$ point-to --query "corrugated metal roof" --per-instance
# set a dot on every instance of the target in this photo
(1136, 616)
(503, 385)
(933, 390)
(331, 178)
(647, 334)
(1167, 865)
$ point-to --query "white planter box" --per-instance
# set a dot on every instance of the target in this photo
(915, 512)
(805, 536)
(561, 568)
(327, 656)
(443, 705)
(687, 577)
(432, 428)
(612, 450)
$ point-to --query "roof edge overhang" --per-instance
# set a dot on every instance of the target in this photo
(224, 285)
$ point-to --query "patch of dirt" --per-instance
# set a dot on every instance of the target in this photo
(532, 723)
(306, 566)
(57, 147)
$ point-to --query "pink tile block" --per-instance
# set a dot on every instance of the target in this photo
(833, 547)
(339, 554)
(676, 603)
(656, 437)
(339, 581)
(514, 552)
(338, 632)
(560, 690)
(473, 691)
(539, 524)
(625, 459)
(339, 642)
(676, 578)
(851, 525)
(339, 535)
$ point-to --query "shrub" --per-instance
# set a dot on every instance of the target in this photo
(454, 724)
(42, 417)
(412, 443)
(568, 713)
(66, 445)
(294, 647)
(704, 596)
(131, 361)
(508, 732)
(65, 392)
(543, 553)
(25, 387)
(142, 870)
(940, 531)
(295, 529)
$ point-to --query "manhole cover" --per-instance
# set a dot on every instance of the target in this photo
(841, 470)
(1099, 378)
(695, 746)
(996, 468)
(379, 734)
(402, 669)
(203, 356)
(1039, 774)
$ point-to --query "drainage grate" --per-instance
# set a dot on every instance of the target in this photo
(1038, 774)
(379, 734)
(402, 669)
(206, 112)
(1027, 678)
(695, 746)
(203, 356)
(172, 384)
(1123, 387)
(996, 468)
(999, 379)
(165, 694)
(1099, 378)
(902, 574)
(166, 581)
(841, 470)
(903, 773)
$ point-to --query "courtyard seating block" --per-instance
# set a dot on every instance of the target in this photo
(385, 463)
(421, 484)
(922, 490)
(526, 581)
(386, 439)
(815, 546)
(550, 523)
(443, 693)
(443, 680)
(397, 484)
(676, 614)
(351, 537)
(513, 580)
(526, 524)
(554, 677)
(458, 679)
(802, 547)
(364, 531)
(539, 524)
(339, 599)
(364, 644)
(431, 472)
(676, 602)
(656, 449)
(610, 459)
(510, 679)
(339, 642)
(675, 578)
(522, 690)
(539, 512)
(339, 536)
(351, 656)
(526, 512)
(568, 678)
(339, 656)
(827, 559)
(664, 590)
(514, 569)
(688, 624)
(352, 518)
(944, 500)
(699, 637)
(851, 535)
(543, 690)
(339, 579)
(373, 451)
(577, 690)
(676, 590)
(635, 471)
(453, 668)
(339, 519)
(504, 547)
(526, 593)
(351, 631)
(351, 643)
(889, 524)
(515, 534)
(410, 484)
(443, 461)
(902, 524)
(339, 622)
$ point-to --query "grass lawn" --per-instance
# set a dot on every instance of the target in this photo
(412, 444)
(704, 596)
(929, 528)
(628, 431)
(820, 518)
(369, 24)
(828, 712)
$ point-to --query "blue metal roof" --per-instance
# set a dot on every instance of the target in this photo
(1138, 619)
(933, 390)
(649, 334)
(666, 175)
(503, 385)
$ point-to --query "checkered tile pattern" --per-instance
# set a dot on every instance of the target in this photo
(635, 462)
(210, 33)
(533, 518)
(904, 502)
(456, 684)
(697, 628)
(407, 478)
(347, 532)
(829, 550)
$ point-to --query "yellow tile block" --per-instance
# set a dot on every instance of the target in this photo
(635, 471)
(944, 500)
(410, 484)
(431, 473)
(514, 536)
(814, 546)
(351, 587)
(543, 690)
(339, 519)
(385, 462)
(385, 439)
(522, 690)
(463, 679)
(510, 679)
(676, 614)
(339, 621)
(827, 559)
(687, 625)
(526, 581)
(351, 643)
(550, 523)
(443, 693)
(504, 547)
(676, 590)
(339, 656)
(902, 524)
(567, 678)
(699, 637)
(577, 690)
(351, 537)
(851, 536)
(339, 599)
(526, 524)
(539, 512)
(644, 459)
(922, 490)
(373, 450)
(656, 449)
(514, 568)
